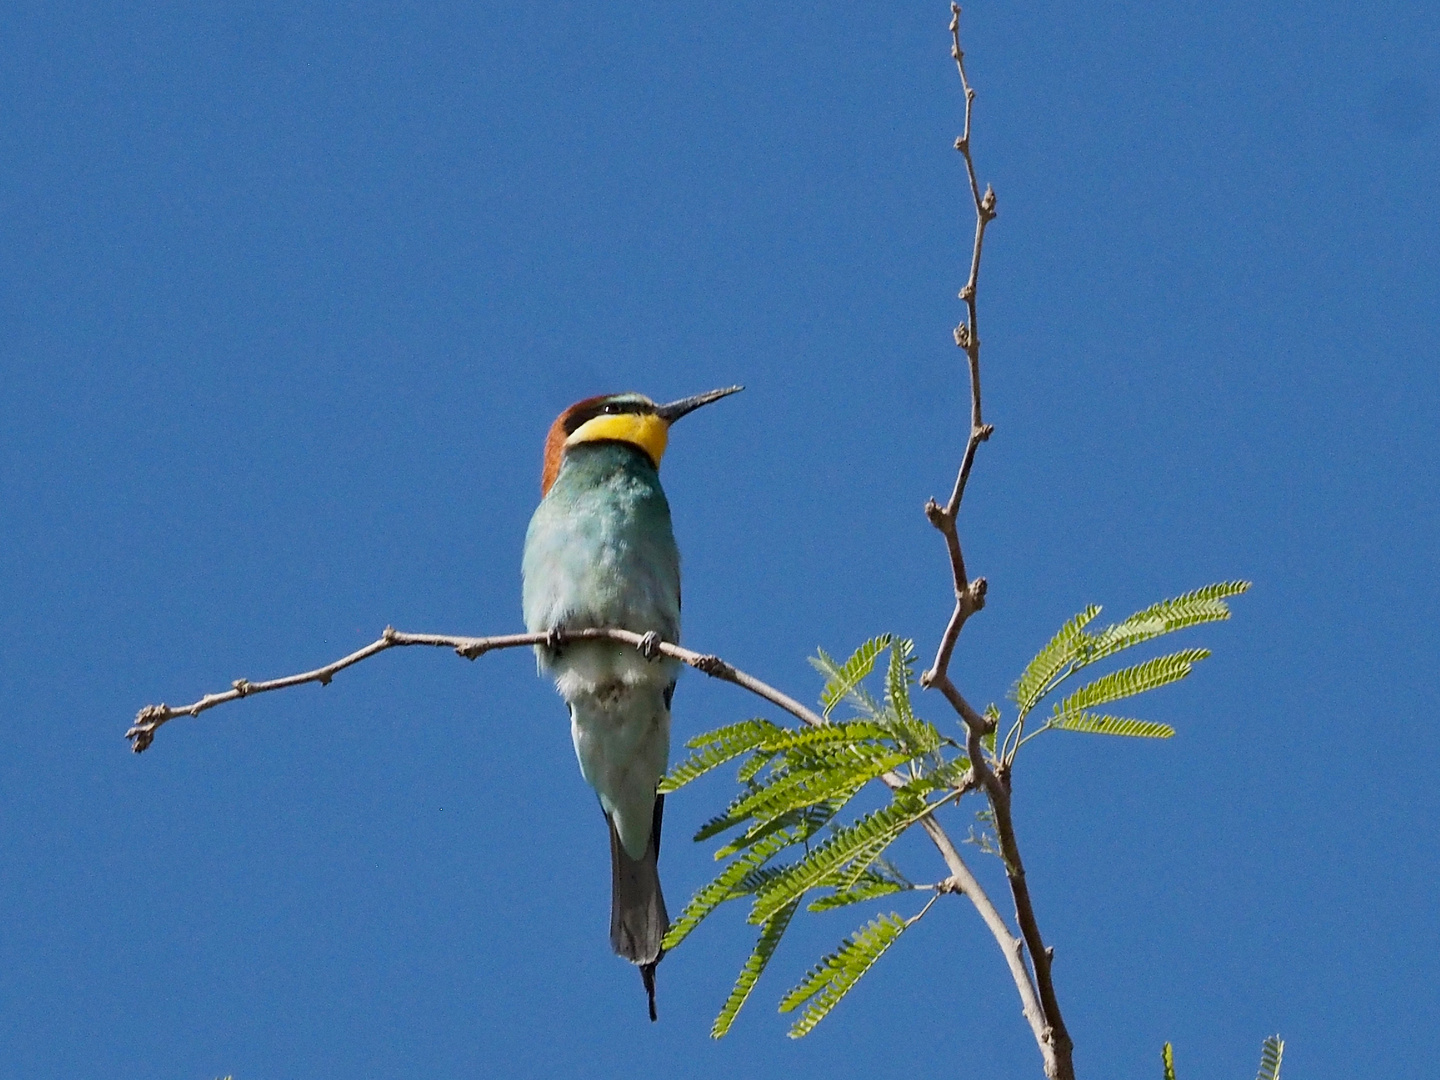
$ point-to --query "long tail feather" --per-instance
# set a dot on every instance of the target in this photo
(638, 919)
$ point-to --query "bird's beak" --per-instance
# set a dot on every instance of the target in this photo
(676, 409)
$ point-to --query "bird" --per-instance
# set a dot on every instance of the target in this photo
(600, 553)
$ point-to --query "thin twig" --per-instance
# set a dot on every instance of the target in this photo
(151, 717)
(969, 596)
(1034, 983)
(924, 910)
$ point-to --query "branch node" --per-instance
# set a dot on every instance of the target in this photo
(388, 634)
(472, 651)
(976, 592)
(983, 432)
(142, 733)
(325, 677)
(714, 667)
(987, 203)
(962, 334)
(961, 143)
(967, 291)
(241, 686)
(936, 514)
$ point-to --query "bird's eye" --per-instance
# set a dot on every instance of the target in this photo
(611, 409)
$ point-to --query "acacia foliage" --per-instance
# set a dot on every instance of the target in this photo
(787, 846)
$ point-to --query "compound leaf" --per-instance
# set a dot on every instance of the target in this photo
(1068, 643)
(1127, 682)
(1095, 724)
(836, 975)
(1271, 1051)
(844, 678)
(1190, 609)
(770, 935)
(717, 747)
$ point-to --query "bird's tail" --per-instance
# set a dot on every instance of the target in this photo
(638, 920)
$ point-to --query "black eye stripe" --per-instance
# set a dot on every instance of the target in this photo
(609, 408)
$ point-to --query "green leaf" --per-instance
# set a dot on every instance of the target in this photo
(1069, 642)
(843, 678)
(848, 876)
(717, 825)
(812, 817)
(910, 797)
(773, 789)
(715, 748)
(947, 775)
(756, 879)
(818, 780)
(865, 704)
(834, 977)
(870, 886)
(916, 736)
(1271, 1051)
(1191, 609)
(836, 733)
(1167, 1056)
(1095, 724)
(905, 731)
(864, 839)
(753, 765)
(899, 678)
(731, 817)
(770, 935)
(1127, 682)
(727, 885)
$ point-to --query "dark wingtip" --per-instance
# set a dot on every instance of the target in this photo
(647, 973)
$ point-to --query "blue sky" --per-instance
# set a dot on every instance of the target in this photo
(289, 294)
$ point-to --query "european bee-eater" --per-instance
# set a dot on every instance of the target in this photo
(600, 552)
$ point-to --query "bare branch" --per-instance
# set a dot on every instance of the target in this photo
(151, 717)
(1034, 983)
(969, 597)
(1056, 1044)
(976, 722)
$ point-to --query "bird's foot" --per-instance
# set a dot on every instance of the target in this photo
(555, 638)
(649, 645)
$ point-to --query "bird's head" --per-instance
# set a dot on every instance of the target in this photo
(627, 418)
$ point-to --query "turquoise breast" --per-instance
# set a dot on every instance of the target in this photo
(600, 550)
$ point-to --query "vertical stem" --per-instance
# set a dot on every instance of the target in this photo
(1034, 983)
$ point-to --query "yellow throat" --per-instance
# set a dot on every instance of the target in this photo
(645, 430)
